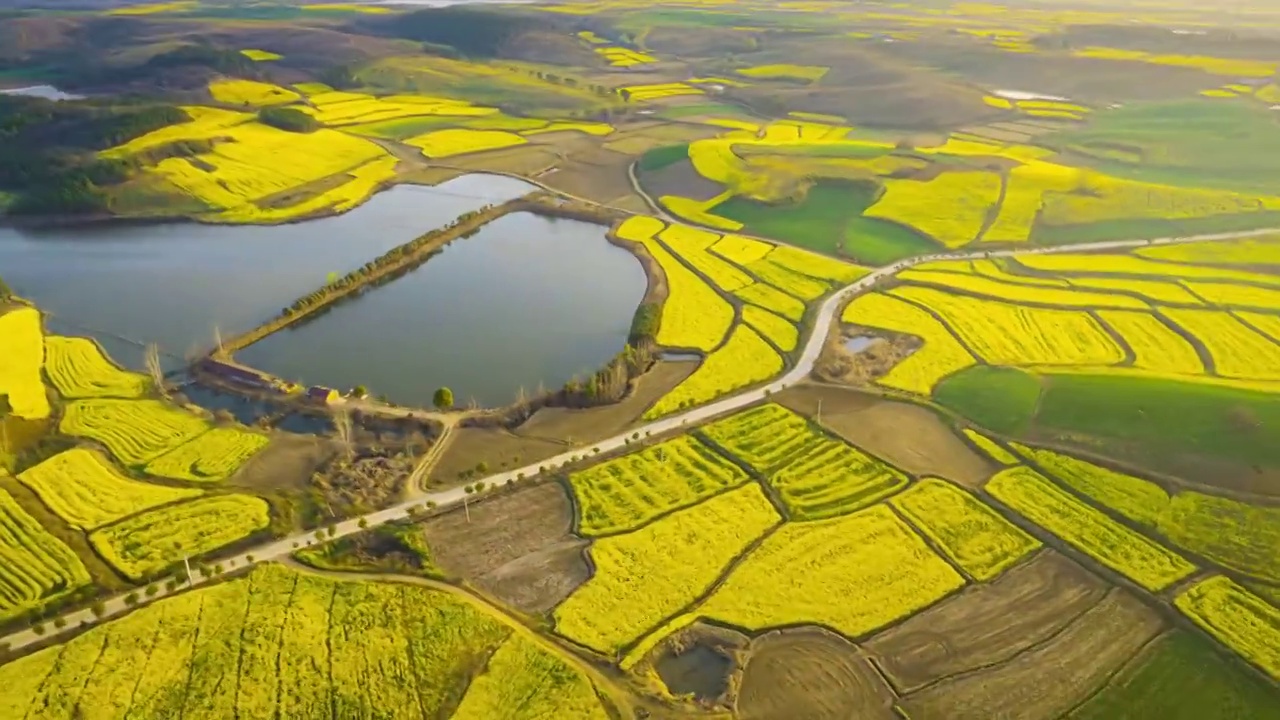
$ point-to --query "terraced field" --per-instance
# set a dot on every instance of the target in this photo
(21, 358)
(135, 431)
(37, 566)
(77, 368)
(83, 489)
(210, 457)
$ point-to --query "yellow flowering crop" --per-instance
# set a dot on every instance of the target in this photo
(522, 681)
(135, 431)
(260, 55)
(348, 7)
(1239, 619)
(1237, 350)
(853, 574)
(624, 57)
(653, 92)
(206, 122)
(1018, 292)
(744, 359)
(1130, 266)
(952, 208)
(997, 102)
(1246, 251)
(1268, 325)
(1024, 196)
(145, 544)
(727, 82)
(784, 71)
(337, 109)
(1051, 105)
(789, 281)
(942, 354)
(692, 245)
(1214, 65)
(968, 531)
(699, 211)
(213, 456)
(644, 576)
(38, 566)
(772, 299)
(1235, 295)
(598, 129)
(1006, 334)
(592, 38)
(87, 492)
(1155, 345)
(998, 270)
(365, 181)
(815, 475)
(814, 265)
(629, 491)
(742, 250)
(1100, 197)
(311, 89)
(251, 93)
(458, 141)
(1089, 530)
(775, 329)
(694, 315)
(78, 368)
(21, 357)
(991, 448)
(154, 8)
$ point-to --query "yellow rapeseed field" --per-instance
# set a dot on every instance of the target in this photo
(784, 71)
(21, 357)
(1235, 67)
(644, 576)
(205, 122)
(942, 354)
(213, 456)
(135, 431)
(83, 489)
(1241, 620)
(1235, 295)
(788, 281)
(365, 181)
(460, 141)
(997, 102)
(991, 448)
(78, 368)
(145, 544)
(699, 211)
(968, 531)
(1001, 270)
(853, 574)
(251, 93)
(742, 250)
(1155, 291)
(366, 9)
(626, 492)
(1155, 345)
(258, 55)
(624, 57)
(774, 328)
(522, 681)
(772, 299)
(262, 161)
(1246, 251)
(1024, 196)
(38, 566)
(692, 245)
(744, 359)
(1268, 325)
(951, 208)
(693, 315)
(1237, 350)
(339, 109)
(1017, 292)
(639, 93)
(1089, 530)
(155, 8)
(1130, 266)
(814, 265)
(1100, 197)
(1006, 334)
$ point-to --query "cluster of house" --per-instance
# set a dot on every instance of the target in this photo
(248, 377)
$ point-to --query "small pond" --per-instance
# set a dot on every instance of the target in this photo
(700, 671)
(526, 301)
(860, 343)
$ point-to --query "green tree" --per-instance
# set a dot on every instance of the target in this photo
(443, 399)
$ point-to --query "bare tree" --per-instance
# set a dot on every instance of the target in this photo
(217, 338)
(152, 362)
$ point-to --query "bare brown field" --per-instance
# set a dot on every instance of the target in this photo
(638, 138)
(515, 546)
(631, 202)
(812, 674)
(496, 448)
(680, 179)
(431, 176)
(587, 425)
(287, 462)
(520, 160)
(987, 624)
(1044, 682)
(598, 183)
(909, 436)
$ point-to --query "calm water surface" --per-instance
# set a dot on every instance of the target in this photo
(527, 300)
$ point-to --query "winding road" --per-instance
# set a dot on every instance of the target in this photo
(827, 313)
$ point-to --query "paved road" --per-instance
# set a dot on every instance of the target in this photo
(804, 364)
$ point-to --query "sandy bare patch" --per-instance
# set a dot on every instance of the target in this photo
(588, 425)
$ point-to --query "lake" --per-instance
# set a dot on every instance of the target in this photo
(527, 301)
(174, 283)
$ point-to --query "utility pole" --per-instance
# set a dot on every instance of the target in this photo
(186, 563)
(819, 416)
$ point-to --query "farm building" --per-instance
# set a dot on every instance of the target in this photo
(323, 395)
(236, 374)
